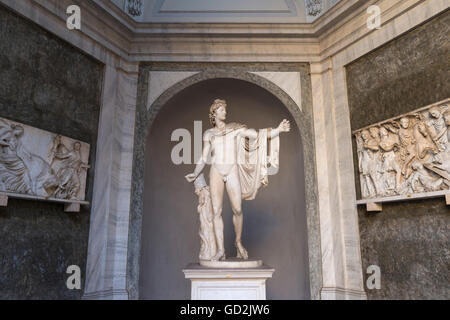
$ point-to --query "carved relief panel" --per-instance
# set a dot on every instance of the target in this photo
(40, 164)
(406, 155)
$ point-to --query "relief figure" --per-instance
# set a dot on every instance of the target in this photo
(27, 168)
(407, 154)
(438, 128)
(388, 146)
(22, 171)
(68, 174)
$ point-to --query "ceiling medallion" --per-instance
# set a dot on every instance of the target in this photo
(314, 7)
(134, 7)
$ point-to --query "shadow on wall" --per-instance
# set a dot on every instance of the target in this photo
(274, 223)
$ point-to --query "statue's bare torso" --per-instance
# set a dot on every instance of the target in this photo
(224, 147)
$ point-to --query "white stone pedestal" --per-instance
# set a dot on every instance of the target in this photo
(228, 284)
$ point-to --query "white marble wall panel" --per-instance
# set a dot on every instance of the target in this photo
(352, 266)
(108, 236)
(289, 82)
(341, 261)
(328, 186)
(160, 81)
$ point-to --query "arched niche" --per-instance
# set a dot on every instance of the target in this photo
(280, 225)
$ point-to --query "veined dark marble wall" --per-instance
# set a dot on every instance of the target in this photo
(408, 240)
(45, 83)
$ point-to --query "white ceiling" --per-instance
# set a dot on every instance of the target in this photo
(231, 11)
(230, 6)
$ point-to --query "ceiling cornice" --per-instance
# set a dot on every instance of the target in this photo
(107, 29)
(338, 12)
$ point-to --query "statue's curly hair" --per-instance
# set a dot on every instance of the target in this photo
(216, 105)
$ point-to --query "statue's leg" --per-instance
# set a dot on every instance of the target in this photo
(216, 187)
(233, 186)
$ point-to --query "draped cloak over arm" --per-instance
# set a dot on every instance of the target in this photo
(256, 159)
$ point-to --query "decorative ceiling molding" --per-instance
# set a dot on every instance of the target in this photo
(314, 7)
(214, 11)
(225, 11)
(312, 26)
(134, 7)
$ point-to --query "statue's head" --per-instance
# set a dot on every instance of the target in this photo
(18, 130)
(383, 132)
(218, 110)
(374, 132)
(77, 146)
(435, 112)
(404, 122)
(365, 135)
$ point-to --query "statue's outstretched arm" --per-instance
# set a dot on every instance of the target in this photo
(284, 126)
(248, 133)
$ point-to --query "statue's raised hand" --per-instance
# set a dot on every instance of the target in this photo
(284, 126)
(191, 177)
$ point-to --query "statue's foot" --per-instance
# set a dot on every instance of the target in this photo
(220, 255)
(241, 252)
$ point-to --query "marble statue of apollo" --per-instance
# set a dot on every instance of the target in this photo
(241, 160)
